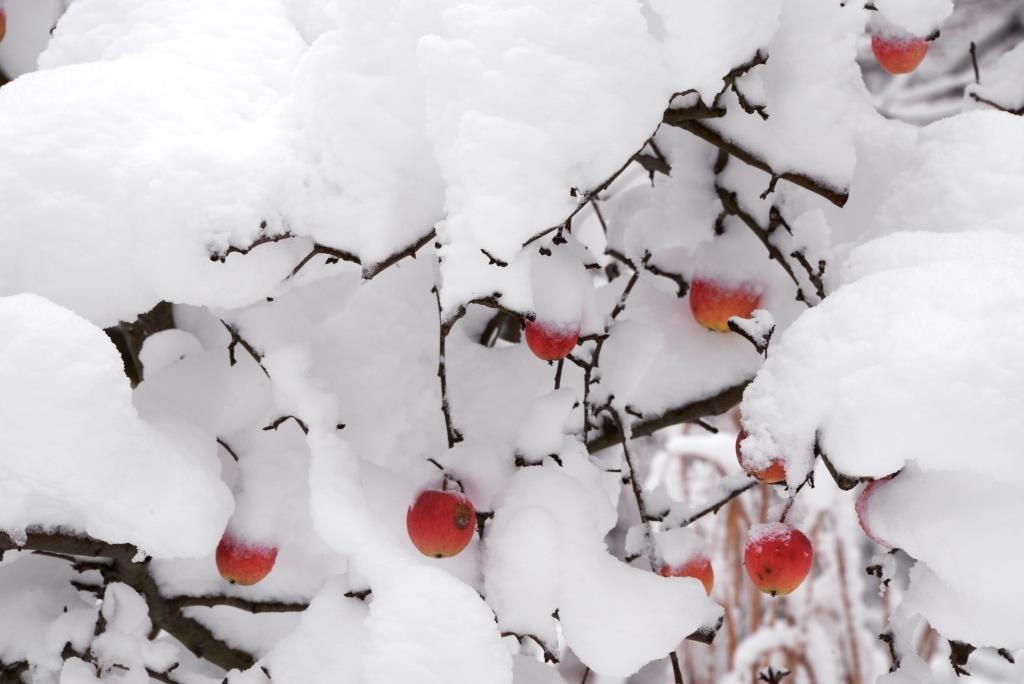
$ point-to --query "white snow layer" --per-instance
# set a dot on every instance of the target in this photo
(299, 123)
(81, 458)
(914, 364)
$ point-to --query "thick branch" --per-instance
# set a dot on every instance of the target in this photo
(710, 135)
(163, 612)
(688, 413)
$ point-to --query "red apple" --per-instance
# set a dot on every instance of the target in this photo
(774, 473)
(549, 341)
(778, 558)
(440, 523)
(3, 23)
(898, 54)
(240, 562)
(863, 499)
(713, 303)
(697, 566)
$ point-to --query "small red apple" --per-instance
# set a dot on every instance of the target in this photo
(549, 341)
(243, 563)
(697, 566)
(778, 558)
(863, 499)
(713, 303)
(440, 523)
(775, 473)
(898, 54)
(3, 22)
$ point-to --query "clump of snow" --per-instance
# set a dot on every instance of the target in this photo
(922, 340)
(919, 17)
(678, 545)
(165, 347)
(627, 355)
(557, 282)
(543, 430)
(616, 618)
(81, 458)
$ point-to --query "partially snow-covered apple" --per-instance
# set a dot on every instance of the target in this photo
(773, 473)
(778, 557)
(242, 562)
(898, 54)
(550, 341)
(714, 302)
(863, 502)
(441, 522)
(697, 566)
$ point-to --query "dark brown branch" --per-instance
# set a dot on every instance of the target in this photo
(238, 340)
(717, 505)
(262, 240)
(240, 603)
(974, 62)
(371, 270)
(192, 634)
(228, 449)
(732, 207)
(445, 327)
(549, 656)
(959, 653)
(708, 406)
(710, 135)
(772, 676)
(995, 105)
(277, 423)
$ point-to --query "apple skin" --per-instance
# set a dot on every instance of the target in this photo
(698, 567)
(863, 500)
(3, 23)
(899, 54)
(551, 342)
(243, 563)
(775, 473)
(778, 558)
(713, 304)
(440, 523)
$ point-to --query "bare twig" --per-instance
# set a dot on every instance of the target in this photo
(238, 340)
(370, 270)
(277, 423)
(240, 603)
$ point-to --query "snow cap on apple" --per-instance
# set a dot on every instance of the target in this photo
(778, 557)
(683, 554)
(557, 303)
(243, 562)
(714, 301)
(772, 473)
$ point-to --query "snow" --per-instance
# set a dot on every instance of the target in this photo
(327, 645)
(919, 17)
(83, 459)
(864, 374)
(155, 136)
(614, 617)
(1001, 84)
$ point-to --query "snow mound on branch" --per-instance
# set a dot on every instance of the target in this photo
(616, 618)
(915, 364)
(328, 644)
(81, 458)
(957, 524)
(894, 364)
(1001, 84)
(919, 17)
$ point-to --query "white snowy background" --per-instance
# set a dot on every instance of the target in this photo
(338, 200)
